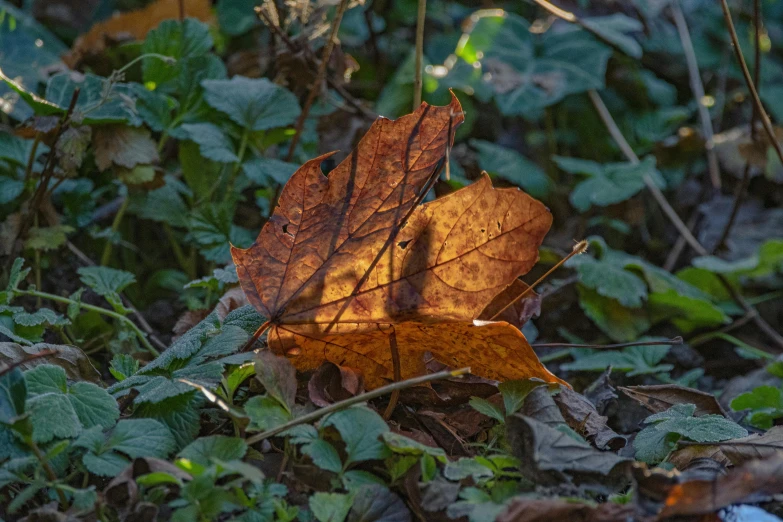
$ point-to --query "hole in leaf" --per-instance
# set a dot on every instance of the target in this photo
(403, 244)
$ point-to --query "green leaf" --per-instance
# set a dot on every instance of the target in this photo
(46, 378)
(485, 407)
(618, 322)
(768, 261)
(254, 104)
(611, 280)
(608, 183)
(765, 403)
(265, 413)
(278, 376)
(141, 438)
(402, 445)
(212, 142)
(52, 416)
(636, 360)
(93, 104)
(236, 17)
(179, 40)
(361, 429)
(653, 446)
(513, 167)
(203, 449)
(105, 281)
(324, 455)
(13, 395)
(107, 464)
(331, 507)
(123, 366)
(266, 171)
(466, 467)
(10, 189)
(613, 29)
(15, 149)
(515, 392)
(48, 238)
(93, 405)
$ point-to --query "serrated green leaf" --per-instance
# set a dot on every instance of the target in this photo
(611, 280)
(46, 378)
(13, 395)
(765, 403)
(515, 392)
(324, 455)
(52, 416)
(178, 40)
(203, 449)
(266, 172)
(105, 281)
(265, 413)
(48, 238)
(513, 167)
(360, 429)
(93, 106)
(403, 445)
(141, 438)
(485, 407)
(123, 366)
(236, 17)
(331, 507)
(636, 360)
(107, 464)
(93, 405)
(253, 104)
(213, 143)
(618, 322)
(614, 27)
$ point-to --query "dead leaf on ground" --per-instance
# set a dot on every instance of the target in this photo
(546, 510)
(682, 458)
(661, 397)
(580, 414)
(132, 26)
(332, 383)
(334, 285)
(70, 358)
(755, 446)
(123, 146)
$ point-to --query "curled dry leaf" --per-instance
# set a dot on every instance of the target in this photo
(123, 146)
(133, 25)
(332, 383)
(582, 417)
(755, 446)
(661, 397)
(346, 260)
(70, 358)
(546, 510)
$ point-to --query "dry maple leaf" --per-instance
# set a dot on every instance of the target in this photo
(348, 259)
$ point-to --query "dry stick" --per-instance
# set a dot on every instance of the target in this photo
(672, 341)
(364, 397)
(679, 245)
(765, 121)
(417, 82)
(319, 79)
(606, 117)
(579, 248)
(698, 92)
(739, 196)
(397, 375)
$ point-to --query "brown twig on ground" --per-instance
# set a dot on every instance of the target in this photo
(698, 93)
(762, 114)
(673, 341)
(679, 245)
(315, 90)
(419, 57)
(606, 117)
(358, 399)
(739, 195)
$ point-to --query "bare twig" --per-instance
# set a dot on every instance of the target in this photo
(679, 245)
(417, 82)
(315, 89)
(606, 117)
(358, 399)
(765, 121)
(698, 93)
(739, 195)
(672, 341)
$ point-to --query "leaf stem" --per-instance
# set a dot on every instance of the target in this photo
(579, 248)
(673, 341)
(59, 299)
(115, 225)
(48, 469)
(765, 121)
(319, 79)
(238, 164)
(419, 58)
(364, 397)
(261, 329)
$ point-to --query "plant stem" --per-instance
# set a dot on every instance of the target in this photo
(183, 261)
(765, 121)
(698, 93)
(48, 469)
(110, 313)
(115, 225)
(395, 353)
(238, 164)
(419, 58)
(261, 329)
(319, 79)
(672, 341)
(364, 397)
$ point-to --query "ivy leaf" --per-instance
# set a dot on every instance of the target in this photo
(220, 447)
(179, 40)
(212, 141)
(608, 183)
(253, 104)
(513, 167)
(360, 429)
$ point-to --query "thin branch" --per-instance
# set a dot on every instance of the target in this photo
(739, 195)
(417, 80)
(679, 245)
(315, 89)
(765, 121)
(364, 397)
(606, 117)
(673, 341)
(698, 93)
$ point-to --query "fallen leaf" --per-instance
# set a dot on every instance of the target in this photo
(520, 312)
(336, 270)
(661, 397)
(133, 25)
(755, 446)
(332, 383)
(753, 482)
(580, 414)
(123, 146)
(546, 510)
(70, 358)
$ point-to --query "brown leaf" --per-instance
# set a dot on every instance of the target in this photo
(768, 445)
(70, 358)
(749, 483)
(133, 25)
(336, 269)
(123, 146)
(546, 510)
(520, 312)
(122, 491)
(278, 377)
(332, 383)
(661, 397)
(495, 350)
(683, 457)
(582, 417)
